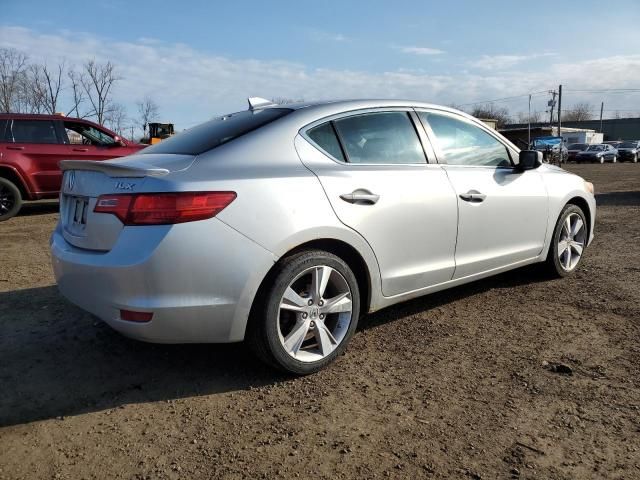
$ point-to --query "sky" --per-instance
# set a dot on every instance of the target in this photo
(199, 59)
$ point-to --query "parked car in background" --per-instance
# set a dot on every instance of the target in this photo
(553, 149)
(281, 225)
(31, 146)
(628, 151)
(574, 149)
(600, 153)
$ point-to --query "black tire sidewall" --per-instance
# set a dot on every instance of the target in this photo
(17, 199)
(552, 259)
(290, 269)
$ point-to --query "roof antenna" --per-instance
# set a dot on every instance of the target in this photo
(258, 102)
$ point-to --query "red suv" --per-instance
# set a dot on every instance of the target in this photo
(31, 147)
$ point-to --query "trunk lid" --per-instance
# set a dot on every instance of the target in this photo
(84, 181)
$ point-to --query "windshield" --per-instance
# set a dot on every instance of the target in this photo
(629, 144)
(547, 141)
(577, 146)
(213, 133)
(596, 148)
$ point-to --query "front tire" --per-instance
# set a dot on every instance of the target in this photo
(10, 199)
(569, 240)
(308, 313)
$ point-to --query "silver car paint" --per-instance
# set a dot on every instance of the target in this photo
(201, 278)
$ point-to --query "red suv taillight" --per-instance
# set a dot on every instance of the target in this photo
(164, 208)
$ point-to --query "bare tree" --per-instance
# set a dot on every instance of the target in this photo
(534, 117)
(148, 110)
(97, 81)
(116, 118)
(580, 111)
(285, 100)
(13, 66)
(45, 85)
(77, 93)
(490, 111)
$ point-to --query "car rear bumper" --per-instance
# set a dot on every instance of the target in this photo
(198, 279)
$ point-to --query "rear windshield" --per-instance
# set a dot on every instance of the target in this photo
(213, 133)
(623, 145)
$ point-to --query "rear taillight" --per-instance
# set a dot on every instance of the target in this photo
(164, 208)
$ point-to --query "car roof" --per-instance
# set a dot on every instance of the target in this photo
(357, 104)
(39, 116)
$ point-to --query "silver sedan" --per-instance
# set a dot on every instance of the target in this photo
(283, 225)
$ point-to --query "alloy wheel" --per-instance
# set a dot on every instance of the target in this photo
(7, 200)
(571, 243)
(315, 313)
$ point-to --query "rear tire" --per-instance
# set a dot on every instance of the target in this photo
(10, 199)
(570, 238)
(615, 159)
(299, 328)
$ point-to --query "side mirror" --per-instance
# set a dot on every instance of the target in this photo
(529, 160)
(118, 142)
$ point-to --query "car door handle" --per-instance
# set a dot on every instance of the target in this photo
(360, 197)
(473, 196)
(15, 148)
(80, 149)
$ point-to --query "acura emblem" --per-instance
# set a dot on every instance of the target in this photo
(71, 179)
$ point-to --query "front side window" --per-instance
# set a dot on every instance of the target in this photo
(382, 138)
(84, 134)
(465, 144)
(33, 131)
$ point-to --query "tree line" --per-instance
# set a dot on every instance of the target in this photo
(579, 112)
(82, 91)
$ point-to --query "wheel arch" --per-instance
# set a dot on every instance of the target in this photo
(584, 206)
(13, 176)
(348, 253)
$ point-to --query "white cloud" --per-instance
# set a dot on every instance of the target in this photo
(191, 85)
(421, 50)
(502, 62)
(324, 36)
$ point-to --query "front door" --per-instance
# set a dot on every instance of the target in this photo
(502, 211)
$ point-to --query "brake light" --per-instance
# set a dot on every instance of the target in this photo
(164, 208)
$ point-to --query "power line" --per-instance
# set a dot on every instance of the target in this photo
(605, 90)
(505, 98)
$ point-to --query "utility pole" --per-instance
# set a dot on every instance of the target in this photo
(551, 104)
(560, 111)
(601, 110)
(529, 121)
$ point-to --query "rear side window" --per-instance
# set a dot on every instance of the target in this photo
(33, 131)
(325, 137)
(382, 138)
(215, 132)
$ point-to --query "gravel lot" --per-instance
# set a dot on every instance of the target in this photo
(459, 384)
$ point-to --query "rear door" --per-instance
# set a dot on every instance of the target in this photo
(37, 146)
(503, 212)
(373, 168)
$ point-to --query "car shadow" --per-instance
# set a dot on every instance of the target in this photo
(619, 199)
(40, 207)
(57, 360)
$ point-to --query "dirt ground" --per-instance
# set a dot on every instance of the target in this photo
(458, 384)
